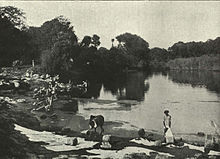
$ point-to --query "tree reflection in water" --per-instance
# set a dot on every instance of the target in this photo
(129, 86)
(208, 79)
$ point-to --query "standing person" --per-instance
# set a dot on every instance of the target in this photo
(49, 96)
(166, 121)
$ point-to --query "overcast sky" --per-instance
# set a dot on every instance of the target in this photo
(159, 23)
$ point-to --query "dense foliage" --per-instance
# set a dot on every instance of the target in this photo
(159, 57)
(44, 37)
(194, 49)
(55, 46)
(135, 46)
(12, 31)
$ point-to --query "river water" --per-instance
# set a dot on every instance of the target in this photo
(193, 99)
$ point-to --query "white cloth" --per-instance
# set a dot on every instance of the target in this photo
(169, 136)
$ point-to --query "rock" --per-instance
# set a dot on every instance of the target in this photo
(136, 155)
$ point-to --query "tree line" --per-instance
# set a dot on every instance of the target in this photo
(55, 46)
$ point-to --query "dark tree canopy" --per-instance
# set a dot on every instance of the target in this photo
(132, 42)
(95, 40)
(14, 42)
(194, 49)
(136, 46)
(90, 41)
(14, 15)
(86, 41)
(44, 37)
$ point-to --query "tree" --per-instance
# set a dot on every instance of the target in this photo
(14, 15)
(95, 40)
(89, 41)
(86, 41)
(194, 49)
(58, 59)
(14, 41)
(136, 46)
(113, 42)
(44, 37)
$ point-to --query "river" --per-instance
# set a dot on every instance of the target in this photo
(193, 99)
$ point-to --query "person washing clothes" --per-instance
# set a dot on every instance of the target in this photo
(166, 121)
(167, 127)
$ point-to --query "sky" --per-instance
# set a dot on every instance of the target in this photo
(161, 24)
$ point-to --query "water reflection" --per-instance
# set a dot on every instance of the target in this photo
(130, 86)
(135, 86)
(208, 79)
(183, 93)
(93, 90)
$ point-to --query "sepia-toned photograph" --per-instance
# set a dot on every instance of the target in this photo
(109, 80)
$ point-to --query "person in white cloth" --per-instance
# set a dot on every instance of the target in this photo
(166, 121)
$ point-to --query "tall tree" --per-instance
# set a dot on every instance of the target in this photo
(113, 42)
(14, 15)
(44, 37)
(86, 41)
(95, 40)
(135, 46)
(14, 41)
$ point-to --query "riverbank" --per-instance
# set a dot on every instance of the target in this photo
(65, 121)
(205, 62)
